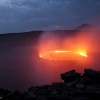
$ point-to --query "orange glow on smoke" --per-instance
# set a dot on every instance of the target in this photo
(63, 55)
(56, 47)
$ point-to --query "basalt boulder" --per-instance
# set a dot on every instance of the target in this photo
(91, 74)
(70, 76)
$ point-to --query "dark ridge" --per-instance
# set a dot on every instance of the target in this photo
(84, 26)
(30, 37)
(74, 87)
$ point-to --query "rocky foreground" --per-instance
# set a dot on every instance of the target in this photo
(74, 87)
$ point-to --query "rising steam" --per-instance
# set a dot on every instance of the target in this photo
(83, 41)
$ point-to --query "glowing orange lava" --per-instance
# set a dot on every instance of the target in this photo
(63, 55)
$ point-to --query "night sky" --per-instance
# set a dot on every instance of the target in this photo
(28, 15)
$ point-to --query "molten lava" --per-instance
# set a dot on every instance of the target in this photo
(63, 55)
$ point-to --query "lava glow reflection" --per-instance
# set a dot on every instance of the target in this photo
(63, 55)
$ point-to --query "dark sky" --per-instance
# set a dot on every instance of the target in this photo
(27, 15)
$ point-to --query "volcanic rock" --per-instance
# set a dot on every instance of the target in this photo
(16, 95)
(74, 87)
(4, 92)
(80, 86)
(93, 75)
(70, 76)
